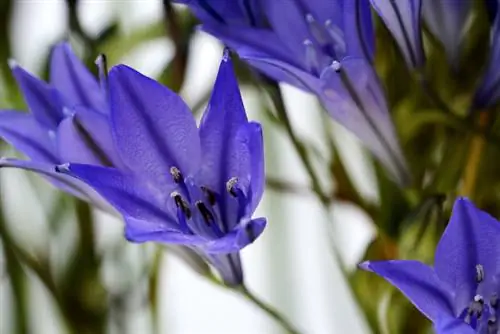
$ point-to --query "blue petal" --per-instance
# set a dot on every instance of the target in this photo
(471, 238)
(262, 40)
(22, 131)
(132, 197)
(226, 12)
(452, 325)
(289, 23)
(69, 76)
(358, 29)
(258, 177)
(241, 236)
(419, 283)
(152, 126)
(86, 138)
(43, 100)
(446, 20)
(372, 123)
(224, 115)
(402, 18)
(488, 92)
(140, 230)
(61, 181)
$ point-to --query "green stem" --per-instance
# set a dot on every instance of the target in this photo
(272, 312)
(277, 99)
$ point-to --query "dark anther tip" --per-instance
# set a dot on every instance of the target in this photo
(176, 174)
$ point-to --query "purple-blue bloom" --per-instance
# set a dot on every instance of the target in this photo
(322, 46)
(181, 184)
(68, 121)
(460, 293)
(447, 19)
(403, 19)
(488, 92)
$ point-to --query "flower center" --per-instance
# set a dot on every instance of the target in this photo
(482, 314)
(326, 44)
(201, 210)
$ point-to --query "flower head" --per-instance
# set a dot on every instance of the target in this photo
(402, 18)
(460, 293)
(68, 121)
(321, 46)
(181, 184)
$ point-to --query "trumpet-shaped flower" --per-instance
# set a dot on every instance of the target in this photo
(321, 46)
(181, 184)
(68, 121)
(460, 293)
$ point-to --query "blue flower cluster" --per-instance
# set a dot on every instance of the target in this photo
(128, 144)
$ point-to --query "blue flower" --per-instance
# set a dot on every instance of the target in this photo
(402, 18)
(488, 92)
(69, 121)
(460, 293)
(181, 184)
(321, 46)
(447, 20)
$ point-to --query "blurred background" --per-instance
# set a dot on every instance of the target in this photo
(299, 263)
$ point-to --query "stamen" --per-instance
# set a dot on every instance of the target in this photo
(492, 324)
(337, 36)
(316, 30)
(230, 186)
(205, 213)
(311, 57)
(336, 66)
(176, 174)
(494, 301)
(102, 66)
(210, 195)
(182, 204)
(479, 273)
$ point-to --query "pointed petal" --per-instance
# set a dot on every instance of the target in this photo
(402, 18)
(132, 197)
(86, 138)
(446, 20)
(241, 236)
(228, 266)
(257, 178)
(61, 181)
(43, 100)
(471, 238)
(74, 81)
(366, 114)
(419, 283)
(22, 131)
(152, 126)
(224, 115)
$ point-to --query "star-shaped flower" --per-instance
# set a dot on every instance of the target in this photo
(460, 293)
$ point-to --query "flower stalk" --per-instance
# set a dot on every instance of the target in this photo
(474, 158)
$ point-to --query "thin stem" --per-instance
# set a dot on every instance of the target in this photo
(277, 99)
(474, 158)
(272, 312)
